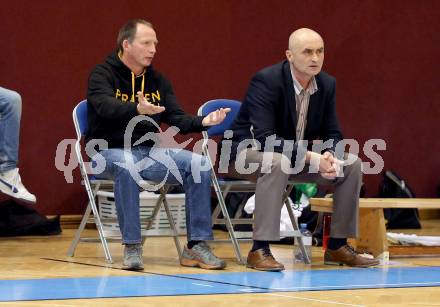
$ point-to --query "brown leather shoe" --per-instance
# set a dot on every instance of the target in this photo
(348, 256)
(262, 260)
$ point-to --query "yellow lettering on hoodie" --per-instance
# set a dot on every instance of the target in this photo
(150, 97)
(157, 95)
(147, 97)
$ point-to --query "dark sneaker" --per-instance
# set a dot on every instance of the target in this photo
(200, 255)
(133, 257)
(263, 260)
(348, 256)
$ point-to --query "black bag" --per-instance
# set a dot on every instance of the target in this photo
(392, 186)
(19, 220)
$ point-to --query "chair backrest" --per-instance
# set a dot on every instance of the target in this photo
(80, 122)
(80, 119)
(216, 104)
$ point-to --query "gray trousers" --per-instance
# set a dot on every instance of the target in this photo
(272, 182)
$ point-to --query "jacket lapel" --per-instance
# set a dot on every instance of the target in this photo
(314, 107)
(290, 93)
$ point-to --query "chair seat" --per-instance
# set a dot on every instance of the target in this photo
(142, 183)
(232, 182)
(229, 181)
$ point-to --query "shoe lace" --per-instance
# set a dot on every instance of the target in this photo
(204, 245)
(266, 252)
(133, 250)
(204, 250)
(351, 250)
(15, 181)
(15, 178)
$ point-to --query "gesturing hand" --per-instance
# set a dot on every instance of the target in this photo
(215, 117)
(146, 108)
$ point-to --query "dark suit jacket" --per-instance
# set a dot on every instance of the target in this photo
(269, 109)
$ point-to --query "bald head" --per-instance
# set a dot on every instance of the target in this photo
(302, 36)
(305, 54)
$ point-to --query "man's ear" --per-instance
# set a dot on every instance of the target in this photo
(289, 56)
(125, 44)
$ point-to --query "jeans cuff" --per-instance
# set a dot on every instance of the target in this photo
(7, 167)
(206, 238)
(131, 242)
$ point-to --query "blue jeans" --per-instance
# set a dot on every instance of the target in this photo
(197, 188)
(10, 114)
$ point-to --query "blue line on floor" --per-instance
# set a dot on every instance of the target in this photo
(338, 279)
(217, 283)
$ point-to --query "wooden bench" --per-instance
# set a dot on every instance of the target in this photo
(372, 231)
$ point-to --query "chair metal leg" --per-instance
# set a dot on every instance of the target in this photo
(144, 238)
(227, 220)
(155, 212)
(91, 207)
(98, 222)
(162, 200)
(172, 225)
(297, 234)
(215, 214)
(240, 209)
(79, 231)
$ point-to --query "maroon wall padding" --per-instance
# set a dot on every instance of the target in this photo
(384, 55)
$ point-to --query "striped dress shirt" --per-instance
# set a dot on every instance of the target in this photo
(302, 98)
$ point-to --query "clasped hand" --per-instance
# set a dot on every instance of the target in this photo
(329, 166)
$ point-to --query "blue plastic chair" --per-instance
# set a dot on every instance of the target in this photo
(223, 186)
(93, 185)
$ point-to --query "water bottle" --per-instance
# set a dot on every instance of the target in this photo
(307, 241)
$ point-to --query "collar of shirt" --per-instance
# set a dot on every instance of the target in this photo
(311, 89)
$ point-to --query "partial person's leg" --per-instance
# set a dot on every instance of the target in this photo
(345, 196)
(344, 221)
(346, 201)
(10, 114)
(193, 172)
(271, 185)
(345, 213)
(126, 192)
(345, 218)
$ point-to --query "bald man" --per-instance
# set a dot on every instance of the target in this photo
(287, 107)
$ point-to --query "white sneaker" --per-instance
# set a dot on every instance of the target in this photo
(10, 184)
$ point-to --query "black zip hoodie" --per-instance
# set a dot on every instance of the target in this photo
(112, 103)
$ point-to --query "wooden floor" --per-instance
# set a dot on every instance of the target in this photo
(27, 258)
